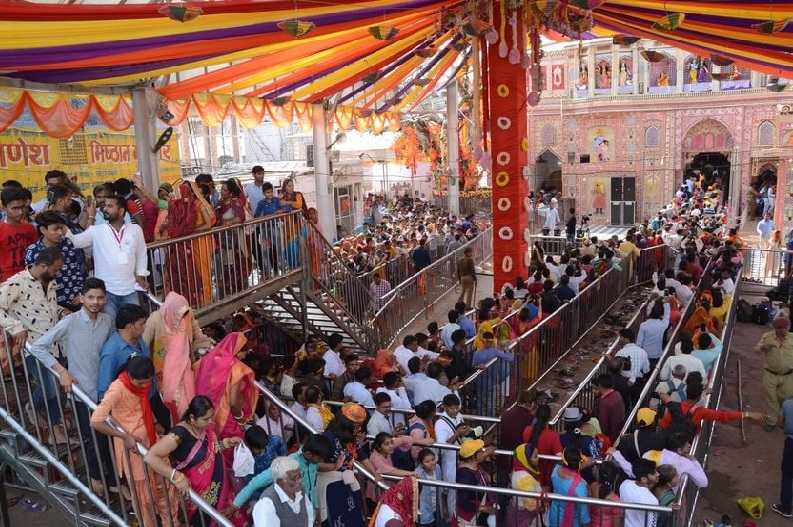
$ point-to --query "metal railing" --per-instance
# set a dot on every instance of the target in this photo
(85, 453)
(226, 263)
(418, 295)
(443, 487)
(764, 266)
(466, 205)
(542, 345)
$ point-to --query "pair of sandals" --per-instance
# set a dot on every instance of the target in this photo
(26, 504)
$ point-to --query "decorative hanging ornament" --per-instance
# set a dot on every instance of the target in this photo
(475, 27)
(383, 32)
(181, 12)
(587, 5)
(669, 22)
(427, 51)
(624, 40)
(296, 28)
(533, 98)
(719, 60)
(652, 56)
(769, 27)
(371, 77)
(279, 101)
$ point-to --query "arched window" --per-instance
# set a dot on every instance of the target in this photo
(765, 134)
(548, 136)
(652, 137)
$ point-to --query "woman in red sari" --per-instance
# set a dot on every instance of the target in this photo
(228, 383)
(196, 461)
(398, 506)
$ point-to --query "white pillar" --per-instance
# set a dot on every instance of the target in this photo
(146, 136)
(453, 140)
(322, 177)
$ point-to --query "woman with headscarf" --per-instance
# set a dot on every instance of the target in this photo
(228, 383)
(521, 512)
(294, 199)
(568, 482)
(338, 489)
(173, 334)
(398, 506)
(235, 255)
(187, 264)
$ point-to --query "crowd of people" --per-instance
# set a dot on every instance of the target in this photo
(71, 276)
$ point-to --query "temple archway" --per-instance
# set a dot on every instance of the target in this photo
(548, 171)
(707, 152)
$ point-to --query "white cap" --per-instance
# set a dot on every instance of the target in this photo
(572, 414)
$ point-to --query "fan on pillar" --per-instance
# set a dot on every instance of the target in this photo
(504, 76)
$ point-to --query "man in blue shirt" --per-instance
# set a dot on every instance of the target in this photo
(421, 256)
(785, 422)
(123, 344)
(764, 228)
(465, 323)
(451, 327)
(271, 205)
(497, 373)
(264, 449)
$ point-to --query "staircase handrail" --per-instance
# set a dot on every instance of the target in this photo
(337, 265)
(61, 468)
(82, 397)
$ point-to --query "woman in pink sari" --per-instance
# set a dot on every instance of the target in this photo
(228, 383)
(197, 462)
(173, 335)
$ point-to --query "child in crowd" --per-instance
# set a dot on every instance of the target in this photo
(428, 497)
(264, 448)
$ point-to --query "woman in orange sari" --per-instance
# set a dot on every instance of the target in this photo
(316, 246)
(291, 228)
(228, 383)
(187, 270)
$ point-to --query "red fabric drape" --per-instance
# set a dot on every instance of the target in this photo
(506, 85)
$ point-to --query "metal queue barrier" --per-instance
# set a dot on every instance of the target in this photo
(418, 295)
(443, 486)
(64, 467)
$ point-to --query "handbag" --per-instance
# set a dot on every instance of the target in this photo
(243, 461)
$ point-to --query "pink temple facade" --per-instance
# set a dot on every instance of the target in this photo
(617, 134)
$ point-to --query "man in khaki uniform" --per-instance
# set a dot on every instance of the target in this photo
(777, 346)
(466, 273)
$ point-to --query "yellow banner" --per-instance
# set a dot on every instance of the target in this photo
(89, 158)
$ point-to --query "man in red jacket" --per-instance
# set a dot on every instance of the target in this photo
(609, 407)
(693, 395)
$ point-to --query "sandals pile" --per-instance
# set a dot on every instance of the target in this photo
(26, 504)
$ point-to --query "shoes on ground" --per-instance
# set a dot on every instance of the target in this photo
(777, 508)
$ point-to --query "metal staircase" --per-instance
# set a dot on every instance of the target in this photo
(329, 299)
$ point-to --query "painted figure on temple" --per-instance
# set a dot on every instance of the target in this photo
(624, 76)
(599, 196)
(583, 77)
(692, 72)
(603, 80)
(663, 79)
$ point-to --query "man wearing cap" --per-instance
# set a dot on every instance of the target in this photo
(777, 347)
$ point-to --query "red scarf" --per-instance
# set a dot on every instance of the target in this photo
(145, 406)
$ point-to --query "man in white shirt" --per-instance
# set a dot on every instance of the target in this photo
(449, 428)
(685, 359)
(274, 422)
(550, 263)
(684, 292)
(410, 348)
(448, 329)
(381, 417)
(551, 216)
(397, 394)
(119, 251)
(671, 281)
(639, 362)
(428, 389)
(299, 395)
(284, 503)
(725, 283)
(651, 331)
(253, 190)
(334, 365)
(638, 490)
(357, 390)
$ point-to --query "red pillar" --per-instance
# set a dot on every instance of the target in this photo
(507, 124)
